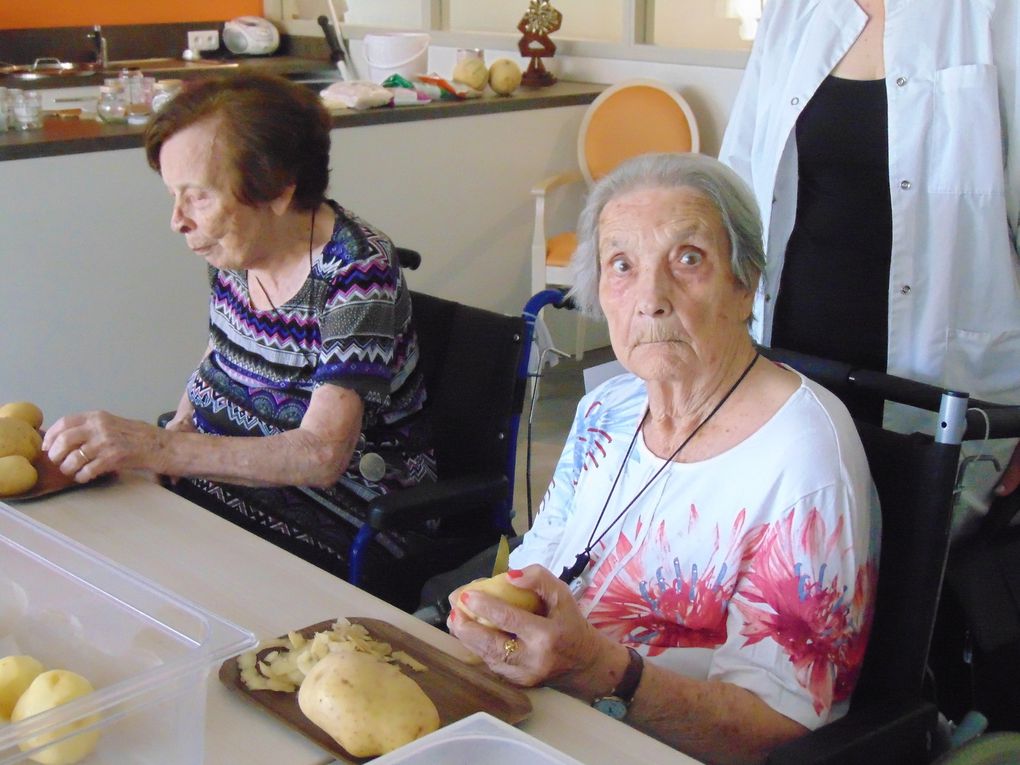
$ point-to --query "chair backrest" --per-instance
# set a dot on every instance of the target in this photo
(915, 477)
(470, 359)
(631, 118)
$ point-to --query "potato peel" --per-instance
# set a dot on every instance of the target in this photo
(281, 664)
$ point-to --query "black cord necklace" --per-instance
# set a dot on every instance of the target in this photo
(570, 573)
(311, 240)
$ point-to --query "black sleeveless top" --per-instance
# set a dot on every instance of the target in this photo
(833, 296)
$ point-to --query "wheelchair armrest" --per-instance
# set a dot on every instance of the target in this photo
(887, 732)
(442, 499)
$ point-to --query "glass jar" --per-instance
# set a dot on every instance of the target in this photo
(165, 91)
(4, 111)
(27, 108)
(111, 107)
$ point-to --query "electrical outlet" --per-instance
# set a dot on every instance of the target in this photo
(204, 39)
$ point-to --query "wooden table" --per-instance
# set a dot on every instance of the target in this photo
(244, 579)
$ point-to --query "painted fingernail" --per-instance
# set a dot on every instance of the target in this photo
(514, 573)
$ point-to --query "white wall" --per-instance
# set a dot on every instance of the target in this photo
(102, 306)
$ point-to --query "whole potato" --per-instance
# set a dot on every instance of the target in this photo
(368, 706)
(471, 72)
(16, 674)
(17, 475)
(23, 410)
(504, 76)
(49, 690)
(500, 587)
(18, 437)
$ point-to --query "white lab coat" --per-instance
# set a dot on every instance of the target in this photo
(954, 176)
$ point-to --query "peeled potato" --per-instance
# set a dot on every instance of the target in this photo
(471, 72)
(367, 705)
(23, 410)
(499, 586)
(18, 437)
(504, 76)
(16, 674)
(49, 690)
(17, 475)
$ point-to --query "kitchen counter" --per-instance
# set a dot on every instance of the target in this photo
(61, 136)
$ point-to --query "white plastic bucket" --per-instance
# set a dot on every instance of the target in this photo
(403, 53)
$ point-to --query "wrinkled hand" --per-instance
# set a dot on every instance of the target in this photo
(89, 444)
(555, 646)
(183, 422)
(1010, 477)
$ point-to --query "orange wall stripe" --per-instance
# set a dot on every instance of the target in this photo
(37, 14)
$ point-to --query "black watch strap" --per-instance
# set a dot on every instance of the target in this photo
(628, 684)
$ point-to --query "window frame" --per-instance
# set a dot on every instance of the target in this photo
(636, 14)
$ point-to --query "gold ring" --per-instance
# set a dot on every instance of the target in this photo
(510, 645)
(84, 456)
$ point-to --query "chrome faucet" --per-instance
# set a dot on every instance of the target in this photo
(96, 35)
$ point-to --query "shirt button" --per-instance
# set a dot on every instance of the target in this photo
(768, 298)
(901, 81)
(905, 289)
(794, 101)
(905, 185)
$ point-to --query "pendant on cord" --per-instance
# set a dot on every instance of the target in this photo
(581, 562)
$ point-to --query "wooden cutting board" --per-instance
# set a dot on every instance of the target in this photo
(50, 481)
(457, 689)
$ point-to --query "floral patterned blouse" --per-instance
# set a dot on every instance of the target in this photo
(755, 567)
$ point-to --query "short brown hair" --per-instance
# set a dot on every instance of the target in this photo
(275, 134)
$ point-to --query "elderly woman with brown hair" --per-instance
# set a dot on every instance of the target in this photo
(311, 347)
(712, 513)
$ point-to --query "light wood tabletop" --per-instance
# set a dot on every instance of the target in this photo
(244, 579)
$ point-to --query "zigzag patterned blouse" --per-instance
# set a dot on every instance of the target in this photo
(349, 324)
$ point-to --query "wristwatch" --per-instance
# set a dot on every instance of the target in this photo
(617, 703)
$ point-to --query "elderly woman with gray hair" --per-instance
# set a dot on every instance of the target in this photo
(712, 513)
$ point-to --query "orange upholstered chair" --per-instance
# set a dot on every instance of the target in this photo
(627, 119)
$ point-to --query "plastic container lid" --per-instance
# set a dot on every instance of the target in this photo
(477, 738)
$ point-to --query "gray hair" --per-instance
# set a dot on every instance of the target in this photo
(718, 183)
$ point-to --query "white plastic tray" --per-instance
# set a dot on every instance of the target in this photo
(478, 738)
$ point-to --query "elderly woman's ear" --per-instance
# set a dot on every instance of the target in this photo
(281, 204)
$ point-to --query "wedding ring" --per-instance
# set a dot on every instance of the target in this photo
(84, 456)
(509, 647)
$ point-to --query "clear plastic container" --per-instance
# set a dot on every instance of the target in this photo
(147, 651)
(111, 107)
(477, 738)
(27, 108)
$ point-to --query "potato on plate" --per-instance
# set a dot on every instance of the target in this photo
(366, 704)
(23, 410)
(17, 475)
(18, 437)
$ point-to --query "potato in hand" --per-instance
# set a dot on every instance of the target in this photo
(498, 586)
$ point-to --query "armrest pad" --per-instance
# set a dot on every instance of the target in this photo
(442, 499)
(889, 732)
(546, 185)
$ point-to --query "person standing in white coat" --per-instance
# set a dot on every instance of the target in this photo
(880, 138)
